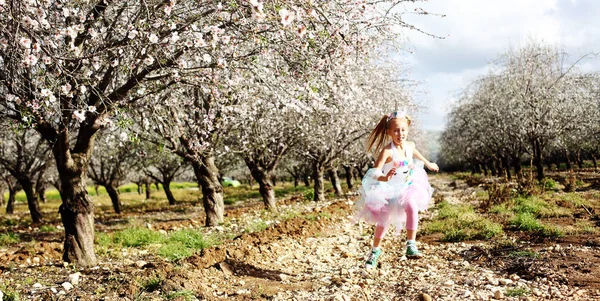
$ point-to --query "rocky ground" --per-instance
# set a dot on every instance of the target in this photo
(313, 251)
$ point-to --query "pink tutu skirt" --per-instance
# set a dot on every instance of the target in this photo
(382, 203)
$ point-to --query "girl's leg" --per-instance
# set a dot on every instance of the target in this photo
(412, 219)
(379, 234)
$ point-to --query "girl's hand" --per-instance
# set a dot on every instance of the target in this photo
(433, 167)
(390, 174)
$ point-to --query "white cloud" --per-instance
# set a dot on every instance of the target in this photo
(476, 32)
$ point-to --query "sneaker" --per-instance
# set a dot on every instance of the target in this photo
(412, 251)
(373, 257)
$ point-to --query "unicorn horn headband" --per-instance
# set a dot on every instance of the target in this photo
(397, 114)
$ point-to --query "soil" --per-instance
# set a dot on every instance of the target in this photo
(316, 254)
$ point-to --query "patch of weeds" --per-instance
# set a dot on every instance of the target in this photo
(497, 194)
(229, 201)
(552, 231)
(516, 292)
(9, 239)
(549, 184)
(309, 195)
(185, 294)
(528, 254)
(539, 207)
(573, 200)
(461, 222)
(9, 294)
(137, 237)
(183, 243)
(48, 229)
(570, 183)
(257, 226)
(526, 221)
(151, 284)
(10, 222)
(502, 209)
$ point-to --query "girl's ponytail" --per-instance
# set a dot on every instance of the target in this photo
(377, 138)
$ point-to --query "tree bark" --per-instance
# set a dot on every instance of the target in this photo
(319, 188)
(305, 179)
(595, 162)
(10, 205)
(32, 201)
(77, 212)
(296, 180)
(517, 166)
(96, 189)
(147, 190)
(168, 193)
(264, 178)
(41, 194)
(538, 161)
(349, 176)
(212, 191)
(335, 181)
(157, 187)
(114, 197)
(361, 174)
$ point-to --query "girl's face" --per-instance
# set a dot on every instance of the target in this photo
(398, 130)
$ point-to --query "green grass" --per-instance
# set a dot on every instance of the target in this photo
(183, 243)
(175, 245)
(48, 229)
(526, 221)
(186, 294)
(539, 207)
(516, 292)
(257, 226)
(151, 284)
(9, 294)
(549, 184)
(9, 239)
(461, 222)
(528, 254)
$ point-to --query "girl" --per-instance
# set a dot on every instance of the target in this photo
(396, 188)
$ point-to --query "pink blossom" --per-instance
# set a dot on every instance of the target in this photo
(286, 17)
(25, 42)
(153, 38)
(79, 115)
(149, 60)
(30, 60)
(132, 34)
(45, 92)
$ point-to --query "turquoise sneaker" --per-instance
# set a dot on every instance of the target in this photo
(373, 257)
(412, 251)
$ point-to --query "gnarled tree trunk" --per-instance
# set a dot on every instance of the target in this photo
(264, 179)
(335, 181)
(114, 197)
(32, 200)
(207, 176)
(319, 195)
(168, 192)
(10, 205)
(147, 184)
(348, 170)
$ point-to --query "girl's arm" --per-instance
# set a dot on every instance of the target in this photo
(383, 156)
(417, 154)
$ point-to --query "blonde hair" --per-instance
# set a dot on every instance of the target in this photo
(378, 137)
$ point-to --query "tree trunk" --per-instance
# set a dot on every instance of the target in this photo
(1, 197)
(568, 160)
(77, 212)
(296, 180)
(319, 190)
(157, 187)
(147, 190)
(305, 179)
(506, 167)
(114, 197)
(335, 181)
(349, 176)
(537, 161)
(32, 201)
(579, 159)
(212, 191)
(168, 193)
(41, 194)
(139, 187)
(517, 166)
(264, 178)
(96, 189)
(10, 206)
(595, 163)
(361, 174)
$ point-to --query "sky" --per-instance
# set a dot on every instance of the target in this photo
(475, 32)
